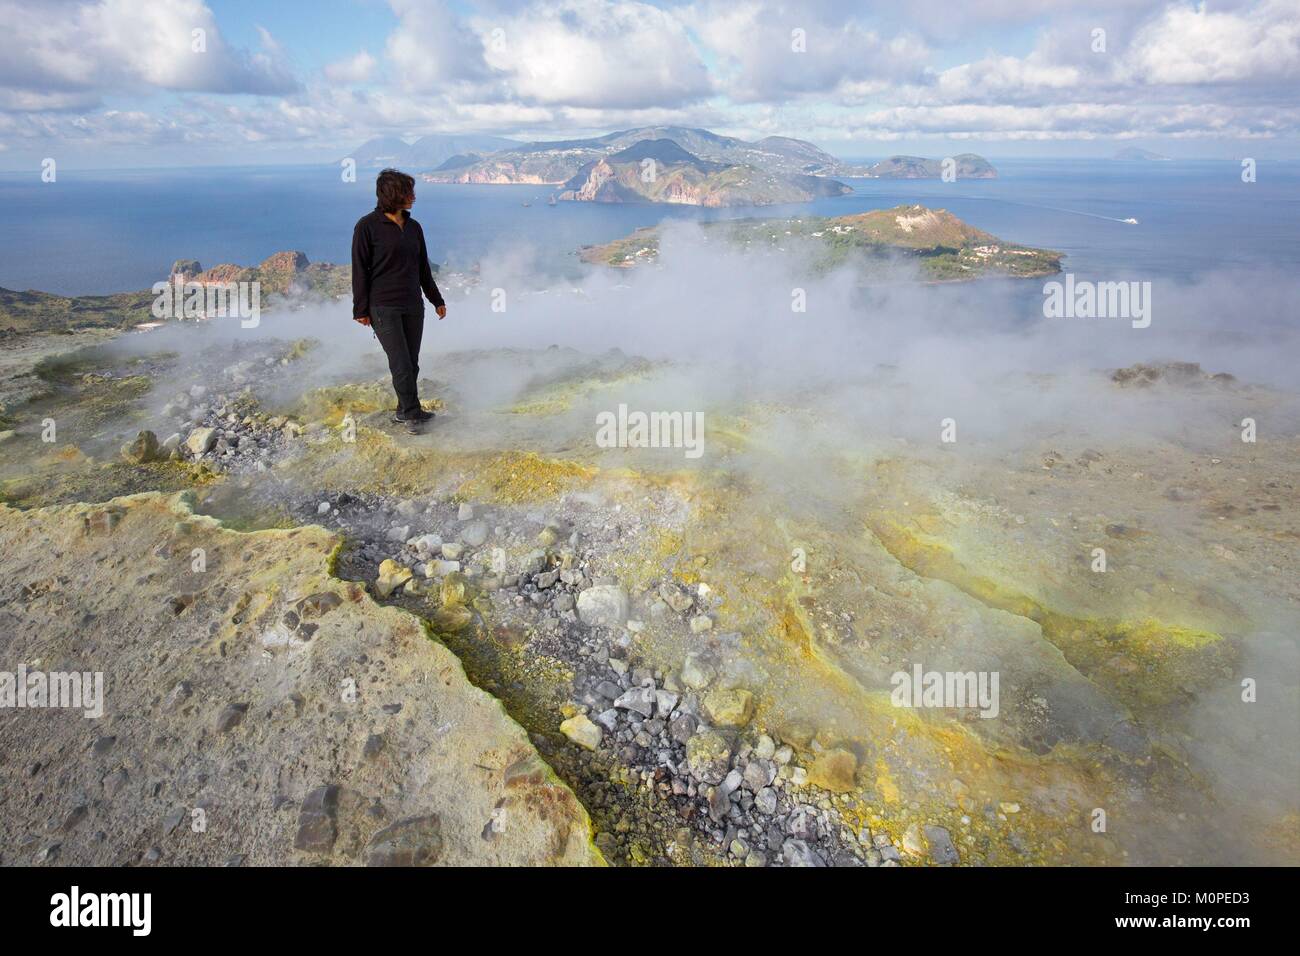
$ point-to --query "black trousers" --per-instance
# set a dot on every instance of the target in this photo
(399, 331)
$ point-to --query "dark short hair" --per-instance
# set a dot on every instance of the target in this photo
(392, 189)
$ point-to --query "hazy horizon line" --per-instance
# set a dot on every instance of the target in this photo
(992, 157)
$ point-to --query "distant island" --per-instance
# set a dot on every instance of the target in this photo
(1133, 153)
(661, 164)
(680, 177)
(689, 166)
(944, 247)
(965, 166)
(556, 161)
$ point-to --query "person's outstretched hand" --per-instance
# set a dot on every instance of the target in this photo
(442, 312)
(363, 319)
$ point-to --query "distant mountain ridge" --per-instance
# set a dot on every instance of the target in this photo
(556, 162)
(665, 151)
(443, 158)
(661, 171)
(427, 152)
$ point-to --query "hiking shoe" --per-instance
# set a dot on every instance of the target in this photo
(422, 416)
(410, 425)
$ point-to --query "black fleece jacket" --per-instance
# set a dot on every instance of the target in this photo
(390, 265)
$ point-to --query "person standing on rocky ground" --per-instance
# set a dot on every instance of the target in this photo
(390, 270)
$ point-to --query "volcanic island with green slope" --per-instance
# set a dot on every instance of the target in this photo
(944, 247)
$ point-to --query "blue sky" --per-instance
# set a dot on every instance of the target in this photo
(120, 82)
(338, 28)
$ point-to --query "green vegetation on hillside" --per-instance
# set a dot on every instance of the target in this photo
(32, 311)
(945, 247)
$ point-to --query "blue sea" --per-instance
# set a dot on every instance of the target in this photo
(108, 231)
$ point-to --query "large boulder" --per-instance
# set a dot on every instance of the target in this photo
(942, 850)
(697, 673)
(475, 533)
(201, 440)
(318, 820)
(799, 853)
(640, 699)
(391, 577)
(603, 604)
(729, 708)
(582, 731)
(142, 449)
(708, 754)
(833, 770)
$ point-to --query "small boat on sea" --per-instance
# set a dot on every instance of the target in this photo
(1130, 221)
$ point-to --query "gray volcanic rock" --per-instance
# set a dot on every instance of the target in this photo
(295, 717)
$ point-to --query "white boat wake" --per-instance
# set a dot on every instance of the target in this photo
(1079, 212)
(1073, 212)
